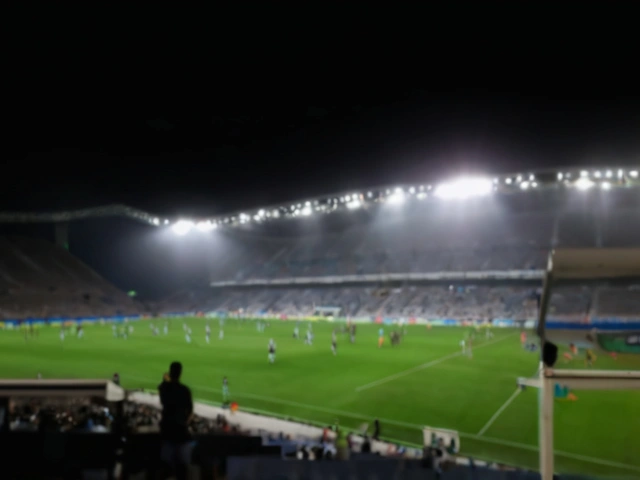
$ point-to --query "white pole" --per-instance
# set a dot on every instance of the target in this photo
(546, 426)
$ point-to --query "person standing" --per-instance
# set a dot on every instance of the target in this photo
(177, 408)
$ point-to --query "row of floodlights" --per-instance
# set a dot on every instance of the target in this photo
(460, 189)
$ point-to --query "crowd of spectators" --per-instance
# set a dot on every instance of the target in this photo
(41, 280)
(463, 302)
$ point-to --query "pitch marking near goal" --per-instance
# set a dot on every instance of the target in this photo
(503, 407)
(422, 367)
(357, 416)
(500, 410)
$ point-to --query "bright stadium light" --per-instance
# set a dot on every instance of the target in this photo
(182, 227)
(397, 198)
(353, 204)
(605, 186)
(584, 173)
(206, 226)
(609, 174)
(634, 173)
(508, 181)
(306, 211)
(524, 185)
(464, 188)
(560, 176)
(584, 183)
(597, 174)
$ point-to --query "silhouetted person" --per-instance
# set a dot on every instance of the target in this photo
(376, 429)
(177, 407)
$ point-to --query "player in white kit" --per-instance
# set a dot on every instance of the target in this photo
(207, 332)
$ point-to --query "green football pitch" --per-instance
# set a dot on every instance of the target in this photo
(423, 381)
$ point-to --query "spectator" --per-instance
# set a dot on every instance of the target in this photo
(376, 429)
(177, 408)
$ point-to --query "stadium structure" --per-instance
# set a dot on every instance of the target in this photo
(470, 253)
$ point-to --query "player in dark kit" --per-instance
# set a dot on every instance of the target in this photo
(272, 351)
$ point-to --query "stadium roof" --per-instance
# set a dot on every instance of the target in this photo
(594, 263)
(456, 189)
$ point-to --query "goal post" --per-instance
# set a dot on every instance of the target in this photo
(578, 265)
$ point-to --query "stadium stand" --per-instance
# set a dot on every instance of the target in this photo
(41, 280)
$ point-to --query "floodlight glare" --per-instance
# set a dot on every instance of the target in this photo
(524, 185)
(206, 226)
(182, 227)
(584, 183)
(306, 211)
(353, 204)
(464, 188)
(605, 186)
(397, 198)
(634, 173)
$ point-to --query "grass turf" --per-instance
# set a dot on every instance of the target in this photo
(423, 381)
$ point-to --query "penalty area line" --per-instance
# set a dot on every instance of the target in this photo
(423, 366)
(500, 410)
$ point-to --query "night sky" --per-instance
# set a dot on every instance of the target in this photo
(180, 111)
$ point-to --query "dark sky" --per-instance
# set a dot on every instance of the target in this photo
(185, 111)
(215, 109)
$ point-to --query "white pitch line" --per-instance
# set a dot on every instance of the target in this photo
(421, 367)
(500, 410)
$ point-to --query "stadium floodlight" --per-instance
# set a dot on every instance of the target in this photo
(605, 186)
(464, 188)
(584, 173)
(620, 173)
(560, 176)
(306, 211)
(353, 204)
(597, 174)
(182, 227)
(206, 226)
(524, 185)
(156, 221)
(584, 183)
(244, 218)
(531, 177)
(397, 198)
(634, 173)
(508, 181)
(609, 174)
(534, 184)
(422, 196)
(412, 190)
